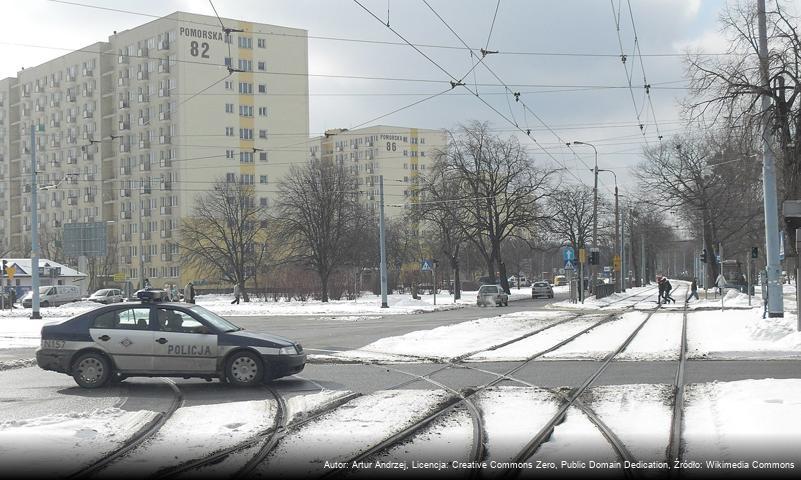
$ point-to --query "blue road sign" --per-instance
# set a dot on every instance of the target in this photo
(568, 254)
(717, 258)
(425, 265)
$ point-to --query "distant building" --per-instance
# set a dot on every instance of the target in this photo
(400, 154)
(50, 273)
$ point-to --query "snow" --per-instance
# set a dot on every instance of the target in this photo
(632, 296)
(741, 334)
(600, 341)
(451, 341)
(576, 438)
(659, 339)
(639, 414)
(74, 440)
(743, 420)
(186, 437)
(299, 406)
(349, 430)
(507, 429)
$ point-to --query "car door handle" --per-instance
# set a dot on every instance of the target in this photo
(105, 338)
(162, 340)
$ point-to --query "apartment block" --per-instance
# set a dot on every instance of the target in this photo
(400, 154)
(129, 132)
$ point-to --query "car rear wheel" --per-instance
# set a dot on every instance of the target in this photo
(244, 369)
(45, 304)
(91, 370)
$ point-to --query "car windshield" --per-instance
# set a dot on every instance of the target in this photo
(540, 284)
(217, 321)
(492, 289)
(101, 293)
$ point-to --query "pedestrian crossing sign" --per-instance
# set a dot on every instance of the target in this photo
(425, 265)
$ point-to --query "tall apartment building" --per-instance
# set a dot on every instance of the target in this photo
(400, 154)
(141, 125)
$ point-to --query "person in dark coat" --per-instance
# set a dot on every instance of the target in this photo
(668, 289)
(693, 291)
(189, 293)
(237, 294)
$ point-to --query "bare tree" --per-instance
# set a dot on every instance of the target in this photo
(501, 190)
(320, 217)
(571, 215)
(226, 233)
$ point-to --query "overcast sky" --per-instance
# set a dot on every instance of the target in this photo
(580, 94)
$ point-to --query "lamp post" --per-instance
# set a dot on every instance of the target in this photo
(594, 210)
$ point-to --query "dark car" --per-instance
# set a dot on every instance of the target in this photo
(154, 338)
(541, 289)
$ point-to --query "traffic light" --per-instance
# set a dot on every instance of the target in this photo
(754, 252)
(5, 264)
(703, 256)
(595, 257)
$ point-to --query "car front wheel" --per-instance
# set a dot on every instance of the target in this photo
(91, 370)
(244, 369)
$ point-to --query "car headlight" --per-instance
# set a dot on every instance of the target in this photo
(287, 350)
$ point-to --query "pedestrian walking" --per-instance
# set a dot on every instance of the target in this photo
(13, 297)
(668, 289)
(189, 293)
(146, 284)
(237, 293)
(660, 283)
(168, 292)
(764, 286)
(693, 291)
(174, 293)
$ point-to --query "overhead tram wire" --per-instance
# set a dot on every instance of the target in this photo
(642, 67)
(378, 42)
(484, 53)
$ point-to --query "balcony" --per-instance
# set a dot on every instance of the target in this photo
(87, 114)
(145, 235)
(26, 188)
(72, 179)
(142, 52)
(143, 98)
(165, 162)
(125, 215)
(123, 59)
(144, 167)
(88, 92)
(87, 73)
(125, 192)
(126, 260)
(125, 147)
(145, 212)
(164, 115)
(88, 219)
(72, 200)
(164, 45)
(38, 108)
(144, 121)
(71, 118)
(166, 257)
(38, 88)
(164, 139)
(71, 98)
(144, 143)
(55, 163)
(55, 203)
(166, 186)
(164, 68)
(166, 210)
(125, 126)
(26, 92)
(163, 92)
(122, 81)
(144, 189)
(123, 103)
(142, 75)
(72, 160)
(55, 103)
(55, 223)
(125, 170)
(55, 143)
(54, 83)
(26, 112)
(88, 156)
(126, 237)
(71, 77)
(88, 177)
(166, 233)
(55, 123)
(88, 198)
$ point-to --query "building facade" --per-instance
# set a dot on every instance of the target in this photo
(132, 130)
(400, 154)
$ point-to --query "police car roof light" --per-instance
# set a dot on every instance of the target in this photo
(151, 295)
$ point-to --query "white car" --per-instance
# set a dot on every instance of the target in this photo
(53, 296)
(492, 294)
(513, 281)
(106, 296)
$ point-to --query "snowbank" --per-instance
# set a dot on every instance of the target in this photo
(741, 334)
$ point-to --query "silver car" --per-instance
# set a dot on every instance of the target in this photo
(491, 294)
(106, 296)
(541, 289)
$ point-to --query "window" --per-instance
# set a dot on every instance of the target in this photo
(245, 179)
(246, 88)
(229, 85)
(229, 108)
(176, 321)
(262, 111)
(230, 177)
(246, 65)
(245, 157)
(263, 202)
(129, 319)
(262, 156)
(245, 42)
(262, 66)
(246, 110)
(229, 154)
(229, 131)
(228, 61)
(261, 42)
(246, 133)
(263, 179)
(262, 88)
(263, 134)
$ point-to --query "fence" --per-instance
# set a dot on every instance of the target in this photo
(604, 290)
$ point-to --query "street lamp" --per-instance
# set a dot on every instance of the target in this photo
(594, 209)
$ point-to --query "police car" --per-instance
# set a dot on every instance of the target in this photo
(154, 338)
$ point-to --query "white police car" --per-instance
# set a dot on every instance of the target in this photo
(153, 338)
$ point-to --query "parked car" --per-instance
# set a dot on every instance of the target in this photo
(559, 280)
(106, 296)
(153, 338)
(541, 289)
(53, 296)
(513, 281)
(488, 281)
(491, 294)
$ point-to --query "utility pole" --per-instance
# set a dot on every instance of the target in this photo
(642, 256)
(623, 262)
(594, 212)
(775, 298)
(616, 262)
(34, 231)
(384, 303)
